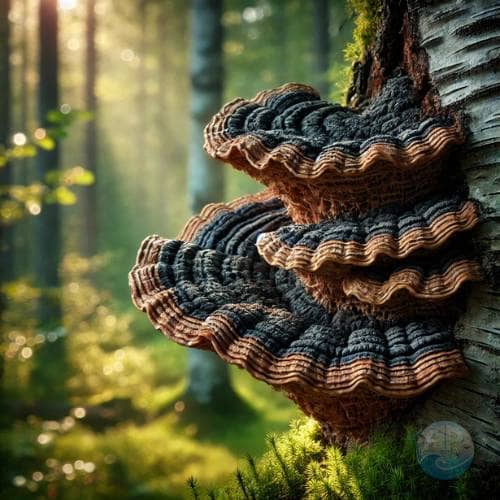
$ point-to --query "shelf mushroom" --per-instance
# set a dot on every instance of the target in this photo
(329, 284)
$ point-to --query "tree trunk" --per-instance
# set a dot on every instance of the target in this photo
(90, 193)
(5, 172)
(48, 373)
(280, 19)
(461, 40)
(142, 167)
(162, 123)
(208, 375)
(23, 231)
(321, 39)
(450, 49)
(6, 254)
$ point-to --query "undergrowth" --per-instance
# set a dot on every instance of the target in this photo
(297, 465)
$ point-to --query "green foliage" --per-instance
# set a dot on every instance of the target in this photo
(367, 15)
(18, 200)
(297, 465)
(153, 450)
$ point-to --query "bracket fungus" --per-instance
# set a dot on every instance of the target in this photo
(339, 284)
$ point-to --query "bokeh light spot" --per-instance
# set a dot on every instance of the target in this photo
(19, 139)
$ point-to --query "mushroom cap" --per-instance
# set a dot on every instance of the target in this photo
(335, 284)
(324, 160)
(415, 287)
(291, 130)
(261, 319)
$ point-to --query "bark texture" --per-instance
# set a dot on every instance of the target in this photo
(450, 48)
(461, 41)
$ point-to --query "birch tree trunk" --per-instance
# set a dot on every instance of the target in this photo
(280, 15)
(461, 39)
(450, 49)
(208, 375)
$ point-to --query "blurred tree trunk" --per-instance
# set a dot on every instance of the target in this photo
(143, 203)
(280, 11)
(321, 39)
(162, 124)
(48, 373)
(5, 171)
(6, 254)
(208, 375)
(450, 49)
(89, 197)
(23, 254)
(23, 111)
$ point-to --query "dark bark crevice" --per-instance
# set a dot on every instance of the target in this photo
(396, 48)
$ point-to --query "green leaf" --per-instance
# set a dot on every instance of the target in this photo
(47, 143)
(26, 151)
(62, 195)
(82, 177)
(53, 177)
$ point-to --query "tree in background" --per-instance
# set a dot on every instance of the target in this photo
(90, 193)
(163, 126)
(142, 165)
(6, 267)
(23, 228)
(48, 374)
(280, 15)
(321, 39)
(6, 261)
(208, 375)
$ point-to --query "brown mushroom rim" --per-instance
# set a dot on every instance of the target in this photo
(276, 253)
(210, 211)
(414, 283)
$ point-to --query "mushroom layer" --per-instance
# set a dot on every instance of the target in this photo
(334, 154)
(362, 240)
(260, 318)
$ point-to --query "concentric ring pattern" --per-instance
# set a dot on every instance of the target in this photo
(340, 283)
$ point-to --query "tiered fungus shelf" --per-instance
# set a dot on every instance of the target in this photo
(340, 283)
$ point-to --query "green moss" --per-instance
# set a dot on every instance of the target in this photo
(296, 465)
(367, 16)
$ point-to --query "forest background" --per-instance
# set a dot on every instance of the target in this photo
(94, 157)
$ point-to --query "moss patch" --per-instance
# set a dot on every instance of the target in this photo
(297, 465)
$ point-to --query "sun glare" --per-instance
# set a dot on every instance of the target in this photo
(67, 4)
